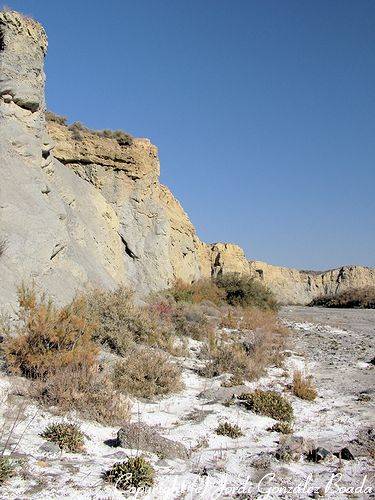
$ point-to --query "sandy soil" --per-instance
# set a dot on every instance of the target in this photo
(333, 346)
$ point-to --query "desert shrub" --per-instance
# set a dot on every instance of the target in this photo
(67, 436)
(230, 320)
(7, 468)
(90, 392)
(228, 429)
(303, 387)
(3, 246)
(123, 138)
(53, 117)
(268, 403)
(199, 291)
(47, 338)
(245, 291)
(135, 472)
(246, 359)
(360, 298)
(77, 129)
(120, 323)
(282, 428)
(189, 320)
(146, 372)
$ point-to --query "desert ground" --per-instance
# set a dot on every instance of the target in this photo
(335, 346)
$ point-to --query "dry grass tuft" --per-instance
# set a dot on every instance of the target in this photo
(303, 387)
(146, 372)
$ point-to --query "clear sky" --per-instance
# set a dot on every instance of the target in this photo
(263, 111)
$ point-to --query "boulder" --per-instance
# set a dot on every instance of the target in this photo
(140, 436)
(291, 448)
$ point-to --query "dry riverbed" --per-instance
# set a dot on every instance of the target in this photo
(334, 346)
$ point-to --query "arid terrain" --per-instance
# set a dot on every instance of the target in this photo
(334, 346)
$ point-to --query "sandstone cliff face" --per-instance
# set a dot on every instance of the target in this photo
(78, 208)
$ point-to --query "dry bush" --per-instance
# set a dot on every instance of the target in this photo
(53, 117)
(47, 338)
(361, 298)
(123, 138)
(245, 291)
(53, 346)
(246, 358)
(146, 372)
(303, 387)
(201, 290)
(120, 323)
(90, 392)
(282, 428)
(254, 318)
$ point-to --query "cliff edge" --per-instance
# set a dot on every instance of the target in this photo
(85, 208)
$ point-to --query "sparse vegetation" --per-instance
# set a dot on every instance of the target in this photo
(120, 324)
(135, 472)
(201, 290)
(245, 291)
(54, 347)
(49, 339)
(228, 429)
(146, 372)
(67, 436)
(268, 403)
(246, 357)
(303, 387)
(77, 129)
(359, 298)
(53, 117)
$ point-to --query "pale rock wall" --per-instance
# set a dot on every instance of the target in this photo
(78, 209)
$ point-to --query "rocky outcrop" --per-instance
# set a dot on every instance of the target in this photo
(82, 208)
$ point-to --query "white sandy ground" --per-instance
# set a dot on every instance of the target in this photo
(221, 468)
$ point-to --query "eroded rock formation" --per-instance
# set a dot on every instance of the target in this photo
(80, 208)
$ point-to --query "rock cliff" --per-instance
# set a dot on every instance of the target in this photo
(79, 207)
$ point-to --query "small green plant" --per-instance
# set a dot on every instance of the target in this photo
(7, 468)
(303, 387)
(282, 428)
(228, 429)
(67, 436)
(135, 472)
(268, 403)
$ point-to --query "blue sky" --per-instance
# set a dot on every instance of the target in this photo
(263, 111)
